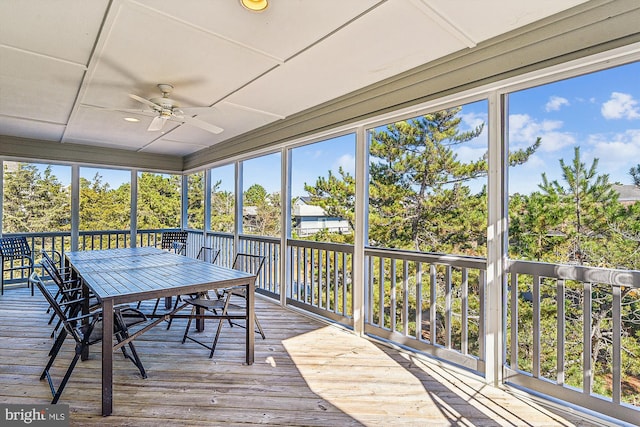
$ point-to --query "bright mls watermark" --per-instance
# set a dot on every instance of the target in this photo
(34, 415)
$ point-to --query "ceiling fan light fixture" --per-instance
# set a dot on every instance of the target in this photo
(255, 5)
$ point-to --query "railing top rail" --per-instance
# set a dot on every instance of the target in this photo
(430, 257)
(328, 246)
(35, 234)
(581, 273)
(255, 238)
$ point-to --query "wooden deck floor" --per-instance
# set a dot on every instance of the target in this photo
(306, 373)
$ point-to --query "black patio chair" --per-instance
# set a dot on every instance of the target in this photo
(86, 330)
(172, 241)
(175, 241)
(15, 252)
(69, 290)
(51, 262)
(205, 254)
(222, 302)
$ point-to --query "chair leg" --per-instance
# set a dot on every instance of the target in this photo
(133, 357)
(67, 375)
(53, 353)
(215, 340)
(220, 324)
(186, 330)
(137, 361)
(259, 327)
(175, 307)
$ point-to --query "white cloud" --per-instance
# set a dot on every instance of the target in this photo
(473, 120)
(523, 131)
(347, 162)
(620, 106)
(555, 103)
(468, 154)
(616, 154)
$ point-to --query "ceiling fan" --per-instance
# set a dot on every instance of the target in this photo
(169, 109)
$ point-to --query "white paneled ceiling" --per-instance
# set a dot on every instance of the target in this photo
(67, 67)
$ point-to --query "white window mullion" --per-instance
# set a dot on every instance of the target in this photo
(494, 340)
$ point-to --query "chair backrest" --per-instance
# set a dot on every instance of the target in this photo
(52, 259)
(207, 254)
(170, 238)
(14, 248)
(48, 264)
(55, 306)
(248, 263)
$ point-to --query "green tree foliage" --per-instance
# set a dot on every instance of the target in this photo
(102, 208)
(261, 211)
(222, 209)
(33, 201)
(195, 209)
(635, 174)
(580, 221)
(158, 201)
(417, 194)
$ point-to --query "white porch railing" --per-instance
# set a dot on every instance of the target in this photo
(435, 304)
(430, 302)
(555, 312)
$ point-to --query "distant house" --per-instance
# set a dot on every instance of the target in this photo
(627, 194)
(309, 219)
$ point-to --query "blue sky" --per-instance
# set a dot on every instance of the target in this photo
(600, 112)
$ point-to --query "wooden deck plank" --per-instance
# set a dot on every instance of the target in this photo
(305, 373)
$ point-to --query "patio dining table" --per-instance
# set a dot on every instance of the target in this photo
(127, 275)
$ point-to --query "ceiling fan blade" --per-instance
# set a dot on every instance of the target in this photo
(201, 124)
(144, 101)
(157, 123)
(198, 110)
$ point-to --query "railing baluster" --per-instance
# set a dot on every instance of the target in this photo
(514, 320)
(586, 340)
(405, 297)
(482, 286)
(392, 310)
(536, 326)
(381, 291)
(560, 331)
(433, 307)
(312, 277)
(447, 302)
(616, 311)
(344, 284)
(464, 308)
(418, 300)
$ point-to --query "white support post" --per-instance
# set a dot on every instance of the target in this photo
(207, 207)
(133, 237)
(494, 338)
(361, 231)
(237, 229)
(184, 202)
(75, 207)
(285, 222)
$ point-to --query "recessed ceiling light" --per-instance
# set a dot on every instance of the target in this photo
(255, 5)
(131, 119)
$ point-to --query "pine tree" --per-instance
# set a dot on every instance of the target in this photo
(158, 201)
(418, 193)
